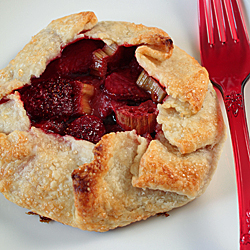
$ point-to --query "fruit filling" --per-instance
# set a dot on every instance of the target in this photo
(93, 89)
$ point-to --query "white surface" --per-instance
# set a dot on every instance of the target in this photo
(209, 222)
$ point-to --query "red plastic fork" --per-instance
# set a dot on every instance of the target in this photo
(225, 52)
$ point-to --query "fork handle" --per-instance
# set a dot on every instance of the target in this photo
(234, 103)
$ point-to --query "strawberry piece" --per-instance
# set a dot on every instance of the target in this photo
(48, 99)
(135, 68)
(142, 118)
(123, 88)
(102, 105)
(113, 128)
(77, 57)
(89, 91)
(51, 70)
(86, 127)
(52, 126)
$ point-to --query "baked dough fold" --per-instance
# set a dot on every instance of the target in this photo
(162, 167)
(190, 133)
(104, 196)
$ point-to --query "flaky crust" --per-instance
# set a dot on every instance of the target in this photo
(36, 171)
(190, 133)
(105, 198)
(124, 178)
(168, 170)
(157, 43)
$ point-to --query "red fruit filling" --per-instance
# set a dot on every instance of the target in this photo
(77, 58)
(142, 118)
(93, 89)
(51, 99)
(52, 126)
(120, 87)
(87, 127)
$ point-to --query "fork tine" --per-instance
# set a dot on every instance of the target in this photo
(219, 18)
(231, 19)
(206, 23)
(239, 20)
(235, 20)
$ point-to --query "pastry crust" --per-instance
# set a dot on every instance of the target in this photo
(157, 43)
(36, 171)
(105, 198)
(162, 167)
(123, 178)
(190, 133)
(13, 115)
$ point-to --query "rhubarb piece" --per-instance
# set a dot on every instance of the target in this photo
(82, 93)
(142, 118)
(74, 91)
(100, 63)
(151, 86)
(120, 87)
(111, 49)
(90, 79)
(86, 127)
(77, 57)
(51, 99)
(101, 58)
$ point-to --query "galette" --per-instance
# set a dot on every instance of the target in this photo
(106, 123)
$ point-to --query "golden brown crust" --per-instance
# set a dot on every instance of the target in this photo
(128, 34)
(36, 168)
(164, 168)
(104, 196)
(154, 42)
(36, 171)
(69, 27)
(206, 127)
(182, 76)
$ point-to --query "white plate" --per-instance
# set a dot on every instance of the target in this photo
(209, 222)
